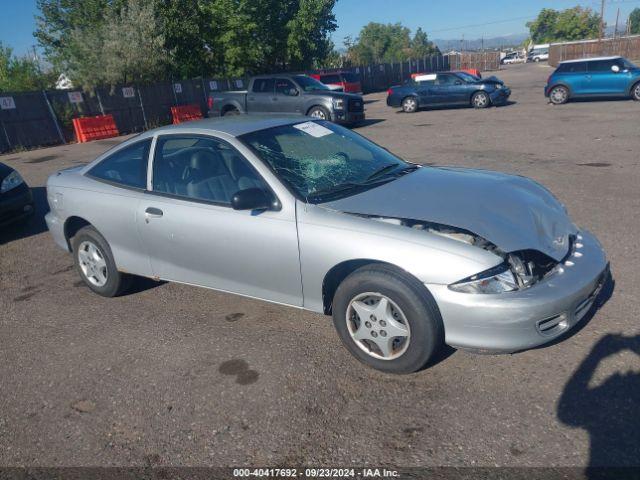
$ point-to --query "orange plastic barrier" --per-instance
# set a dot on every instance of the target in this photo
(185, 113)
(95, 128)
(472, 71)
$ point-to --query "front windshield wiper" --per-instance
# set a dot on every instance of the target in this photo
(342, 187)
(388, 169)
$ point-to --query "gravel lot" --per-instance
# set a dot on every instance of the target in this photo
(176, 375)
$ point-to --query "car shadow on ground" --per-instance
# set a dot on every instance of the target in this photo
(435, 108)
(608, 411)
(367, 122)
(34, 225)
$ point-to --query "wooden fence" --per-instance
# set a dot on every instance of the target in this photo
(483, 61)
(628, 47)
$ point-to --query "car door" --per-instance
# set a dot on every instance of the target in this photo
(287, 97)
(448, 89)
(194, 236)
(424, 90)
(261, 98)
(606, 81)
(111, 204)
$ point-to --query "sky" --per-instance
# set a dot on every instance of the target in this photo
(442, 19)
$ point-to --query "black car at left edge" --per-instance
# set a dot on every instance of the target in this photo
(448, 88)
(16, 200)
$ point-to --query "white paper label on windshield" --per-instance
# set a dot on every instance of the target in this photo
(313, 129)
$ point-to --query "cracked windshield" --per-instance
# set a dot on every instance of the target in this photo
(322, 161)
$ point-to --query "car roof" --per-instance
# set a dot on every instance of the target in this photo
(235, 125)
(592, 59)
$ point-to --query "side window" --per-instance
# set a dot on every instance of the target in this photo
(201, 168)
(600, 66)
(284, 86)
(126, 167)
(446, 80)
(263, 85)
(573, 67)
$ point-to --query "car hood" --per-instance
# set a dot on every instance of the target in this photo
(491, 79)
(335, 94)
(512, 212)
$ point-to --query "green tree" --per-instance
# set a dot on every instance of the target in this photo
(126, 47)
(22, 73)
(380, 43)
(421, 46)
(634, 22)
(575, 23)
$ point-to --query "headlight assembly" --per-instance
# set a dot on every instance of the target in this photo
(495, 280)
(338, 103)
(11, 181)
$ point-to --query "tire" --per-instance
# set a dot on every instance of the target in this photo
(319, 112)
(411, 311)
(95, 264)
(480, 100)
(635, 92)
(537, 60)
(559, 95)
(231, 112)
(410, 105)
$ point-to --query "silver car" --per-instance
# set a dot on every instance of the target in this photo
(309, 214)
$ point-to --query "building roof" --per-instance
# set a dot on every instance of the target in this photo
(591, 59)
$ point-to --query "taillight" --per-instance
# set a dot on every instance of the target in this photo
(390, 91)
(210, 102)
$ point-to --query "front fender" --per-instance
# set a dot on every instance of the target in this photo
(328, 238)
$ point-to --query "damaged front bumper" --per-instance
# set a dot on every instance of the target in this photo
(519, 320)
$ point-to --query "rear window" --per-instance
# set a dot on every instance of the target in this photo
(127, 167)
(264, 85)
(351, 77)
(572, 67)
(330, 79)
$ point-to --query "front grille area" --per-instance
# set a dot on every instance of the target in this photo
(356, 105)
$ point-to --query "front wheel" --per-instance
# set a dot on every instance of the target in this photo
(95, 264)
(480, 100)
(387, 320)
(410, 105)
(635, 92)
(559, 95)
(319, 112)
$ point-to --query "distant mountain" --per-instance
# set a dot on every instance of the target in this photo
(513, 39)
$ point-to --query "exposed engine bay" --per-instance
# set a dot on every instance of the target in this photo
(527, 266)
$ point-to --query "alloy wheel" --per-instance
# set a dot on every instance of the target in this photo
(558, 95)
(378, 326)
(319, 114)
(409, 104)
(481, 100)
(92, 263)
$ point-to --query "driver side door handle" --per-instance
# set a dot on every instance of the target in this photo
(152, 212)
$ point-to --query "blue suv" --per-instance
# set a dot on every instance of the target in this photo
(593, 77)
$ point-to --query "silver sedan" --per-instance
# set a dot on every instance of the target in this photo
(309, 214)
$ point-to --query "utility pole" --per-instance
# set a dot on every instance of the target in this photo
(601, 20)
(615, 31)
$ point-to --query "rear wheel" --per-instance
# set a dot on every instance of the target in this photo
(635, 92)
(95, 264)
(231, 112)
(410, 105)
(559, 95)
(319, 112)
(387, 320)
(480, 100)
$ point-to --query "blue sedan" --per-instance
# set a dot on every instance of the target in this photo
(593, 77)
(448, 88)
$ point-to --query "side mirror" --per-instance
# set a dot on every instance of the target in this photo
(293, 92)
(615, 68)
(253, 199)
